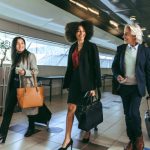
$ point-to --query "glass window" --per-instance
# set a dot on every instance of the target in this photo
(106, 60)
(47, 52)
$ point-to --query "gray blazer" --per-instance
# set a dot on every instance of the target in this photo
(30, 65)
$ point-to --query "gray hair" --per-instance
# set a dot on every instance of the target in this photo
(136, 31)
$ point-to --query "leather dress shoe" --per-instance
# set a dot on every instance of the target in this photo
(139, 143)
(129, 146)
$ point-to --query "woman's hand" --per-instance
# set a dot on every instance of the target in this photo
(21, 72)
(92, 93)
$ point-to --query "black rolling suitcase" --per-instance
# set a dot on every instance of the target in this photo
(147, 118)
(44, 115)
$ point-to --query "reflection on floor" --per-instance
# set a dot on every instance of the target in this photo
(111, 133)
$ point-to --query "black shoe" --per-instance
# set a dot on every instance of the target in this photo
(29, 132)
(68, 145)
(2, 138)
(86, 140)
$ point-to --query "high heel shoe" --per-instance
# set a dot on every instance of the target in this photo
(2, 138)
(86, 140)
(68, 145)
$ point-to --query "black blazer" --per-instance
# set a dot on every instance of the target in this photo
(89, 67)
(142, 68)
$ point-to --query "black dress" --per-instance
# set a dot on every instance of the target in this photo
(75, 94)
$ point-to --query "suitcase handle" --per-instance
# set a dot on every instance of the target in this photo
(148, 98)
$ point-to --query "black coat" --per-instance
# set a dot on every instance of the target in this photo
(89, 67)
(142, 68)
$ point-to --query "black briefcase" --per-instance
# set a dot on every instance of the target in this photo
(89, 113)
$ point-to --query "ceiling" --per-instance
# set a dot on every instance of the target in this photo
(45, 16)
(118, 11)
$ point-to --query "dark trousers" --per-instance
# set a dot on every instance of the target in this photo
(131, 103)
(31, 122)
(10, 104)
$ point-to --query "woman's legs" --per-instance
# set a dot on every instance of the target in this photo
(86, 137)
(10, 104)
(31, 122)
(69, 123)
(31, 127)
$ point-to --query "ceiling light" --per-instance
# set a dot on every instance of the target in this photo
(82, 6)
(115, 1)
(78, 4)
(148, 36)
(93, 11)
(133, 18)
(72, 1)
(113, 23)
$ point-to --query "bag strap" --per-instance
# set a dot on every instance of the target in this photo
(148, 98)
(34, 80)
(32, 73)
(19, 81)
(90, 98)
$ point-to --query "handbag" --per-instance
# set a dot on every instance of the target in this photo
(29, 97)
(89, 113)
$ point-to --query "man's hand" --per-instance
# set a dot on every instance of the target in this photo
(121, 79)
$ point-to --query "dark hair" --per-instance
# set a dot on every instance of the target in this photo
(15, 57)
(72, 27)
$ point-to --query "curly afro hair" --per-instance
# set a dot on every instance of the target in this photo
(72, 27)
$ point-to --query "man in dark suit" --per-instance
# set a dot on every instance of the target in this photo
(131, 68)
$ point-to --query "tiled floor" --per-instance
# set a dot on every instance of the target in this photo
(111, 133)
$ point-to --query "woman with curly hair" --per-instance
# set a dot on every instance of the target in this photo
(83, 72)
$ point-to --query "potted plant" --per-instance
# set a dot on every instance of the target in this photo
(4, 48)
